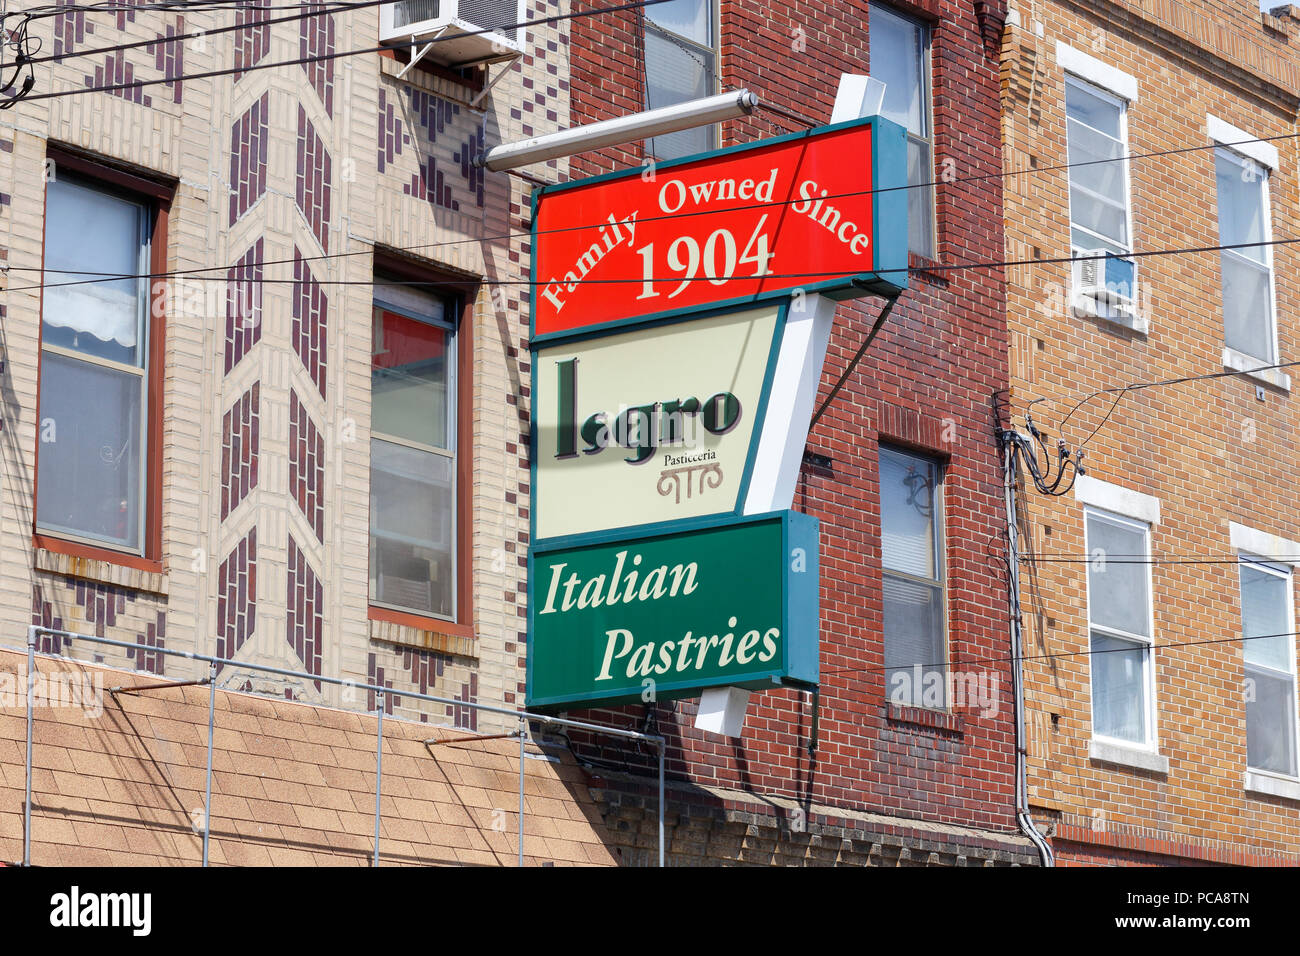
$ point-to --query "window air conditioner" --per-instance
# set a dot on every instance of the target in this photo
(1108, 279)
(454, 24)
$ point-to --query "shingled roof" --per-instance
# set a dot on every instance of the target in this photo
(293, 784)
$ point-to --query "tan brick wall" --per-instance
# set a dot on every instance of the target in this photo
(1210, 451)
(191, 143)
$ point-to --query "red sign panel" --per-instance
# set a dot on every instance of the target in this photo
(793, 213)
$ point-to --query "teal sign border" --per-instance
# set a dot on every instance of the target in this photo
(798, 664)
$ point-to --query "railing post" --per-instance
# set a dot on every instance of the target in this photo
(212, 723)
(523, 736)
(31, 693)
(379, 768)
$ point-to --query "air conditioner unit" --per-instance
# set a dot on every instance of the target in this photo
(456, 25)
(1106, 278)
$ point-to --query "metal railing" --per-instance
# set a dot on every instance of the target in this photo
(380, 693)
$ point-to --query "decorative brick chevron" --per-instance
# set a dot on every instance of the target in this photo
(146, 655)
(306, 465)
(169, 58)
(237, 596)
(244, 305)
(313, 194)
(305, 601)
(315, 39)
(115, 69)
(391, 135)
(310, 314)
(239, 450)
(248, 142)
(251, 43)
(70, 27)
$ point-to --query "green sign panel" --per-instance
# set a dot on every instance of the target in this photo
(658, 616)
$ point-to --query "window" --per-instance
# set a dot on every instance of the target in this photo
(93, 466)
(911, 550)
(680, 65)
(1247, 272)
(1096, 130)
(1269, 652)
(413, 474)
(1119, 622)
(900, 58)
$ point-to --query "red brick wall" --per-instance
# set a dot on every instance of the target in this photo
(926, 382)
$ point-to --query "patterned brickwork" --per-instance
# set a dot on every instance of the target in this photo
(310, 321)
(248, 145)
(145, 655)
(313, 195)
(70, 28)
(306, 465)
(316, 38)
(117, 70)
(240, 436)
(251, 44)
(169, 58)
(304, 622)
(244, 305)
(1211, 453)
(237, 597)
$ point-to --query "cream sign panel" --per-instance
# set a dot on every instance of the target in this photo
(650, 425)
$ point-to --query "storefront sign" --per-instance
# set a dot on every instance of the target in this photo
(651, 425)
(681, 316)
(796, 212)
(654, 617)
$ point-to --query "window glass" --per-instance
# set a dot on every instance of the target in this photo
(413, 494)
(1098, 189)
(92, 231)
(409, 376)
(680, 65)
(1117, 588)
(1119, 688)
(89, 476)
(1119, 611)
(900, 58)
(1248, 271)
(912, 579)
(412, 529)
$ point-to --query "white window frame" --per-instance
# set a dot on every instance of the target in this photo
(393, 299)
(1152, 742)
(1263, 563)
(1122, 104)
(1241, 159)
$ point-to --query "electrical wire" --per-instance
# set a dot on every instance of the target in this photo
(339, 54)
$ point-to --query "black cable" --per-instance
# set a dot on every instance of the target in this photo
(966, 661)
(342, 7)
(114, 277)
(340, 54)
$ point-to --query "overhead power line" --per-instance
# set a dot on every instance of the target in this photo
(1053, 655)
(315, 10)
(339, 54)
(112, 277)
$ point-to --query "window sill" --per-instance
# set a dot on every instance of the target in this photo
(1137, 758)
(77, 560)
(1085, 307)
(423, 633)
(924, 717)
(1271, 785)
(1241, 362)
